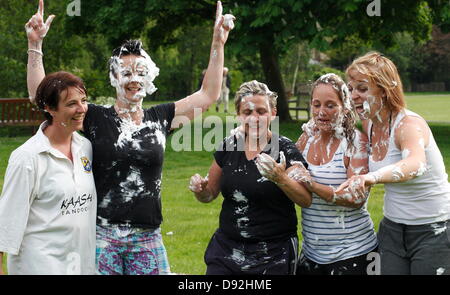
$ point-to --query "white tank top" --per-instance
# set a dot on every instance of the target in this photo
(421, 200)
(333, 233)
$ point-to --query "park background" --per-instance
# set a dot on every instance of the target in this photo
(284, 43)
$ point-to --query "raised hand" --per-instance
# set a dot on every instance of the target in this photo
(223, 24)
(35, 27)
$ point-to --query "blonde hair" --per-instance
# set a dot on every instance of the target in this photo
(341, 89)
(254, 88)
(382, 72)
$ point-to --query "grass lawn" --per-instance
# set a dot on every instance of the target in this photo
(189, 224)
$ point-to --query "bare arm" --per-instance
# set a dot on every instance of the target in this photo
(36, 30)
(294, 190)
(278, 174)
(411, 137)
(356, 163)
(207, 189)
(212, 81)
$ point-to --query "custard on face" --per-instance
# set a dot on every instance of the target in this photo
(256, 114)
(367, 97)
(326, 107)
(134, 75)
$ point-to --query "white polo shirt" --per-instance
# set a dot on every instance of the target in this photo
(48, 209)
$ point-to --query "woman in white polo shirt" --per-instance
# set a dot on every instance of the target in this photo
(48, 202)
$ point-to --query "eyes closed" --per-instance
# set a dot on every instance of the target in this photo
(260, 111)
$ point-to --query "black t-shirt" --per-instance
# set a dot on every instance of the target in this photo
(127, 164)
(254, 208)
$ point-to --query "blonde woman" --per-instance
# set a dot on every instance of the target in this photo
(338, 233)
(258, 223)
(413, 235)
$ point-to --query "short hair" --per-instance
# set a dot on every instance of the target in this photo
(254, 88)
(130, 47)
(382, 72)
(49, 90)
(341, 89)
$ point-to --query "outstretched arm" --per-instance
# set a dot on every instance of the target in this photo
(36, 30)
(212, 81)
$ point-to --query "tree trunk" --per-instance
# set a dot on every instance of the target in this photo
(271, 68)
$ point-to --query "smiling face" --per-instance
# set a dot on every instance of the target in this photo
(326, 107)
(255, 113)
(132, 77)
(72, 107)
(367, 97)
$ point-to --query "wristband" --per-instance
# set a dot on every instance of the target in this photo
(36, 51)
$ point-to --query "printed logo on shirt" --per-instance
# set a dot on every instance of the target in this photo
(86, 164)
(76, 205)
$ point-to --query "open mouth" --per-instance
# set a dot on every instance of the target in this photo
(323, 121)
(134, 89)
(78, 119)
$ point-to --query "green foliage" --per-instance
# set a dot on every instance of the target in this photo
(84, 56)
(325, 70)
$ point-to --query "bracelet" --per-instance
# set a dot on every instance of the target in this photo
(36, 51)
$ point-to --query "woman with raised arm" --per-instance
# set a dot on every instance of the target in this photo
(338, 233)
(414, 234)
(258, 223)
(128, 145)
(48, 203)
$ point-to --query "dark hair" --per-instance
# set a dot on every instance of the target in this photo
(51, 87)
(130, 47)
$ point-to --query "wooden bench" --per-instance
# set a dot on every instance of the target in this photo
(301, 102)
(19, 112)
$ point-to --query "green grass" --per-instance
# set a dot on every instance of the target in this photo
(189, 224)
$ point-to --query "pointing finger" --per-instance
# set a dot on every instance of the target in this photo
(219, 10)
(41, 7)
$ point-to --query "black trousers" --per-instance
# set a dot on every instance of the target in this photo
(359, 265)
(225, 256)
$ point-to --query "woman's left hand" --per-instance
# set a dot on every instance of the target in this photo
(270, 169)
(357, 185)
(223, 25)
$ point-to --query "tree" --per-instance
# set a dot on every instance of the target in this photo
(266, 29)
(84, 56)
